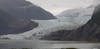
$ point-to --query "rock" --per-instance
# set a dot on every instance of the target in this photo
(96, 15)
(57, 35)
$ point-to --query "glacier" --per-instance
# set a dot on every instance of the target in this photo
(45, 27)
(67, 20)
(48, 26)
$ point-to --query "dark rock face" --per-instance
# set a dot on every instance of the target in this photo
(57, 36)
(22, 8)
(13, 25)
(96, 15)
(89, 32)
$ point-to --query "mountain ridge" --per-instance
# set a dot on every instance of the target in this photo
(22, 9)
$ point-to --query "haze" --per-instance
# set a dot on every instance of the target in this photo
(57, 6)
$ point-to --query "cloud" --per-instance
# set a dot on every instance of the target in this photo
(96, 2)
(56, 6)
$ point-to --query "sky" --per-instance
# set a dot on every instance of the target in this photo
(58, 6)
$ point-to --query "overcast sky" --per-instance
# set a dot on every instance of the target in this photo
(57, 6)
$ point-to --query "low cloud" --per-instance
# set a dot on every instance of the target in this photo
(59, 5)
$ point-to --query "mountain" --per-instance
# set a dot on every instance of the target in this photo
(77, 12)
(62, 28)
(13, 25)
(23, 8)
(67, 23)
(89, 32)
(79, 15)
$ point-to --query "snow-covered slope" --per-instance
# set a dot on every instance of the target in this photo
(79, 15)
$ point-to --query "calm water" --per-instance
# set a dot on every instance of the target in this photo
(36, 44)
